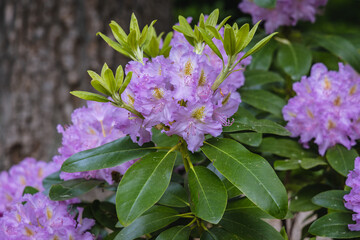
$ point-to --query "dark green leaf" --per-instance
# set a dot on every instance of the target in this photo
(217, 233)
(154, 219)
(244, 205)
(307, 163)
(248, 138)
(175, 233)
(332, 199)
(90, 96)
(249, 172)
(143, 185)
(265, 3)
(288, 164)
(263, 100)
(263, 58)
(30, 190)
(163, 140)
(72, 188)
(284, 148)
(341, 159)
(256, 78)
(231, 190)
(294, 59)
(248, 227)
(174, 196)
(301, 202)
(208, 194)
(106, 156)
(347, 51)
(334, 225)
(104, 213)
(50, 180)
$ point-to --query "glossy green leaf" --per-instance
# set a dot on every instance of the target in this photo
(248, 227)
(244, 120)
(175, 233)
(89, 96)
(332, 199)
(265, 3)
(50, 180)
(154, 219)
(106, 156)
(72, 188)
(99, 87)
(285, 148)
(30, 190)
(231, 190)
(163, 140)
(263, 100)
(347, 51)
(249, 172)
(307, 163)
(248, 138)
(341, 159)
(285, 165)
(301, 202)
(208, 194)
(217, 233)
(334, 225)
(174, 196)
(143, 185)
(256, 78)
(294, 59)
(104, 213)
(244, 205)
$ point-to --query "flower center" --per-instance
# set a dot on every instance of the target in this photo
(198, 113)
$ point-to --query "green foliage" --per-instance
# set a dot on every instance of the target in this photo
(341, 159)
(72, 188)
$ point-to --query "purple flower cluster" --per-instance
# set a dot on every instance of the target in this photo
(92, 127)
(285, 13)
(40, 218)
(176, 92)
(29, 172)
(324, 107)
(352, 200)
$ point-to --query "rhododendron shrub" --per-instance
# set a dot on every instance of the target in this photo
(205, 133)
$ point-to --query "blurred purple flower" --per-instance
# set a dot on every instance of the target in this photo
(352, 200)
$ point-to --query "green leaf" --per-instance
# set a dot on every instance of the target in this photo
(256, 78)
(285, 165)
(244, 120)
(50, 180)
(249, 172)
(241, 37)
(332, 199)
(118, 32)
(126, 82)
(341, 159)
(134, 25)
(284, 234)
(209, 42)
(265, 3)
(258, 45)
(229, 41)
(231, 190)
(347, 51)
(110, 80)
(89, 96)
(154, 219)
(175, 233)
(106, 156)
(72, 188)
(174, 196)
(208, 194)
(301, 202)
(294, 59)
(99, 87)
(263, 100)
(184, 27)
(119, 77)
(334, 225)
(143, 185)
(120, 48)
(244, 205)
(214, 32)
(162, 140)
(284, 148)
(248, 227)
(217, 233)
(213, 18)
(30, 190)
(104, 213)
(248, 138)
(307, 163)
(263, 58)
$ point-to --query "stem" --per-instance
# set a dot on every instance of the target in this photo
(185, 155)
(186, 215)
(224, 73)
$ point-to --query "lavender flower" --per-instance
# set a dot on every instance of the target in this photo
(28, 172)
(41, 218)
(324, 107)
(352, 200)
(92, 126)
(285, 13)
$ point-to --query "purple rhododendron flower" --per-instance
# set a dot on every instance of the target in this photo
(92, 127)
(28, 172)
(176, 92)
(352, 200)
(285, 13)
(323, 108)
(40, 218)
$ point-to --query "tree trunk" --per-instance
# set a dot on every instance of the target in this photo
(46, 48)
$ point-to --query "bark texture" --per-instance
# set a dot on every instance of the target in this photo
(46, 46)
